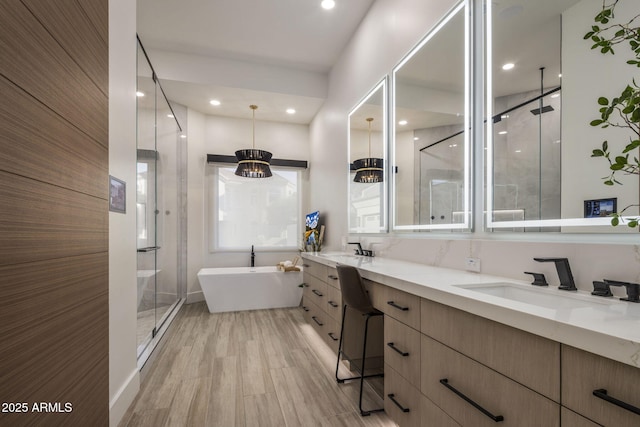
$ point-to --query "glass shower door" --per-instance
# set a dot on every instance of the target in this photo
(158, 197)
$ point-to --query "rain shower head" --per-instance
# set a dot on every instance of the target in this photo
(545, 109)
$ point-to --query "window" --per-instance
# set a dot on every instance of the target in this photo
(265, 213)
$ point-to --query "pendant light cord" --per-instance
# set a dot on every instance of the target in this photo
(370, 119)
(254, 108)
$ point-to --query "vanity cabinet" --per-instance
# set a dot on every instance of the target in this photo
(322, 302)
(529, 359)
(319, 292)
(453, 381)
(571, 419)
(402, 401)
(585, 375)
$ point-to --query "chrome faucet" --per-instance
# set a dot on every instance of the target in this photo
(564, 273)
(253, 257)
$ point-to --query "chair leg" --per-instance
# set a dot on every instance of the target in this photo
(362, 372)
(344, 312)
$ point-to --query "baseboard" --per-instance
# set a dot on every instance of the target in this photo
(195, 297)
(123, 398)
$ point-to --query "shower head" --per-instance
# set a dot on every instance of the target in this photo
(545, 109)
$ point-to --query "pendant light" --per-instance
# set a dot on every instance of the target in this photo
(369, 170)
(253, 163)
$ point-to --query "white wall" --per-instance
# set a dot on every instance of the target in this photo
(222, 135)
(124, 381)
(583, 68)
(388, 32)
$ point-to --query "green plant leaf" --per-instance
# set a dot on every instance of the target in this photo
(608, 182)
(596, 122)
(616, 167)
(633, 223)
(603, 101)
(615, 221)
(597, 153)
(605, 146)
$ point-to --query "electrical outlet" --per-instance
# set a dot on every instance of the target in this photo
(472, 264)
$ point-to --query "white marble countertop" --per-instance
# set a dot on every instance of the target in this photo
(605, 326)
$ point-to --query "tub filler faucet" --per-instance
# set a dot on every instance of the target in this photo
(253, 257)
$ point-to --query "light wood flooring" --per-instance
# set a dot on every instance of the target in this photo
(252, 368)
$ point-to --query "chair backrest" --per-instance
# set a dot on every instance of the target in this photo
(354, 295)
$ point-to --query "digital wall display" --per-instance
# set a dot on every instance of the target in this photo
(600, 207)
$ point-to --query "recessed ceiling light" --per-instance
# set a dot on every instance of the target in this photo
(170, 116)
(291, 111)
(402, 122)
(555, 95)
(214, 102)
(415, 138)
(559, 75)
(518, 151)
(508, 66)
(139, 93)
(183, 136)
(328, 4)
(502, 132)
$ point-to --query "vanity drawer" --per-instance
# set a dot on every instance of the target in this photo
(332, 278)
(527, 358)
(432, 416)
(397, 304)
(571, 419)
(444, 370)
(316, 291)
(334, 303)
(584, 372)
(317, 319)
(401, 399)
(307, 308)
(314, 269)
(402, 350)
(332, 334)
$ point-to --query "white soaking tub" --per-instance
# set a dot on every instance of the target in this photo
(249, 288)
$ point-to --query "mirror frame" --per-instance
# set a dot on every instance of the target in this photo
(490, 224)
(466, 225)
(384, 227)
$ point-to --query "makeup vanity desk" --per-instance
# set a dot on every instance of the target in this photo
(463, 358)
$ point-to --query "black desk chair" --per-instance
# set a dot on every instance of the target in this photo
(355, 297)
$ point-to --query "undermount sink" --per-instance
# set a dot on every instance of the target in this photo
(541, 297)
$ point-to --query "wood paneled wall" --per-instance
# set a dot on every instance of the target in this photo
(54, 284)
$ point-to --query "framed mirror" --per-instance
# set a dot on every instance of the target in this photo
(431, 130)
(367, 163)
(543, 85)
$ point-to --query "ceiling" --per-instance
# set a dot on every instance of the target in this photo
(293, 35)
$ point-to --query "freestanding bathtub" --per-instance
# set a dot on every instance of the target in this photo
(249, 288)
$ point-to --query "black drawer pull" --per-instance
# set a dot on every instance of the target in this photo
(305, 308)
(602, 394)
(399, 307)
(332, 337)
(317, 292)
(315, 319)
(402, 353)
(402, 408)
(332, 277)
(496, 418)
(332, 304)
(304, 285)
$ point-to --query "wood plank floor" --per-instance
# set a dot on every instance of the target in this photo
(252, 368)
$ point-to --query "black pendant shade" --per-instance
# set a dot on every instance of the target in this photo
(371, 169)
(253, 163)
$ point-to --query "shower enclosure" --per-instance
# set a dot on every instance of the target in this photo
(160, 170)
